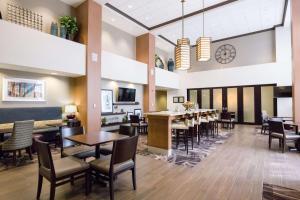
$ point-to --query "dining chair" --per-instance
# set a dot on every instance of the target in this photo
(265, 124)
(20, 139)
(59, 172)
(136, 122)
(277, 131)
(69, 148)
(128, 130)
(123, 158)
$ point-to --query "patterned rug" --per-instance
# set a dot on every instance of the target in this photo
(179, 156)
(274, 192)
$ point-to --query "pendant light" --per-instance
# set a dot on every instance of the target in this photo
(203, 45)
(182, 49)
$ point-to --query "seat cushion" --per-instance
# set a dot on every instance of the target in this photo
(103, 164)
(179, 126)
(277, 135)
(80, 151)
(65, 166)
(290, 135)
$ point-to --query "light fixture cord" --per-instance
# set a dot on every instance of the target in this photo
(182, 9)
(203, 18)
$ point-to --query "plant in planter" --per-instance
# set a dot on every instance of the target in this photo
(103, 120)
(70, 24)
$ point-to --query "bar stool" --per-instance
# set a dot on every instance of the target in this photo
(204, 125)
(181, 127)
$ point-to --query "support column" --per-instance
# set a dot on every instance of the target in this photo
(88, 88)
(295, 7)
(145, 52)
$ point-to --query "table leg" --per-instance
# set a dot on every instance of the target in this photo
(97, 151)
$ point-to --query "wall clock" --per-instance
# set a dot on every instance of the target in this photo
(225, 54)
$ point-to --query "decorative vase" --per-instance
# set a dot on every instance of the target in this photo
(54, 29)
(71, 36)
(63, 32)
(170, 65)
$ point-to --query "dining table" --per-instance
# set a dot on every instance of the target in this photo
(96, 138)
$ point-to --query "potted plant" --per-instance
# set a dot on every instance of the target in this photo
(70, 24)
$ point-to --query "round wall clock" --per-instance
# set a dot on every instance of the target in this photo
(225, 54)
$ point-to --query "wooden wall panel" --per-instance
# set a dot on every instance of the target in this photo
(296, 58)
(88, 89)
(145, 52)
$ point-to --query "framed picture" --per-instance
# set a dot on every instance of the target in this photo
(128, 115)
(106, 101)
(181, 99)
(175, 100)
(138, 112)
(15, 89)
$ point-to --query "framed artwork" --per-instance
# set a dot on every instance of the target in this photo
(175, 100)
(181, 99)
(138, 112)
(15, 89)
(106, 101)
(128, 115)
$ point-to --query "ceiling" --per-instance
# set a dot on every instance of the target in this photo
(223, 19)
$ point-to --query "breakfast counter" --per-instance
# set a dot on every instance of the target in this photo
(159, 128)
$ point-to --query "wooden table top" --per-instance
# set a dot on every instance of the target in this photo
(96, 138)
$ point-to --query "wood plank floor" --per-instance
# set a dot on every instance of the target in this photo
(235, 170)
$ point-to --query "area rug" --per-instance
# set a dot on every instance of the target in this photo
(179, 155)
(274, 192)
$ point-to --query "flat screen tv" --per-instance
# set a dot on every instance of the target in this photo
(126, 95)
(283, 91)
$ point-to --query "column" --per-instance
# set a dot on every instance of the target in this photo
(145, 52)
(87, 89)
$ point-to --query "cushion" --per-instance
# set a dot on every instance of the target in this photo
(180, 126)
(106, 149)
(103, 164)
(80, 151)
(278, 135)
(65, 166)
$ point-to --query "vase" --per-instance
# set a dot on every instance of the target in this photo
(170, 65)
(71, 36)
(54, 29)
(63, 32)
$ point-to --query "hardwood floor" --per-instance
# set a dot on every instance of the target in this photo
(235, 170)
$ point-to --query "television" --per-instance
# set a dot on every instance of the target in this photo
(282, 91)
(126, 95)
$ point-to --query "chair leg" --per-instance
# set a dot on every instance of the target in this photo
(87, 183)
(29, 153)
(15, 157)
(52, 191)
(134, 178)
(40, 184)
(283, 145)
(111, 188)
(72, 180)
(270, 142)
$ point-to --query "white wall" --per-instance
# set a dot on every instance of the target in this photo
(117, 41)
(166, 79)
(113, 85)
(31, 50)
(51, 10)
(279, 72)
(250, 50)
(58, 89)
(119, 68)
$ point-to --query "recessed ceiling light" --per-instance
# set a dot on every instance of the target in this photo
(130, 6)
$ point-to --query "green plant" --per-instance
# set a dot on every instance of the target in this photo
(70, 23)
(103, 120)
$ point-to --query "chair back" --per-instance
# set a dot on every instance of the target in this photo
(134, 119)
(124, 150)
(67, 132)
(276, 127)
(127, 130)
(44, 157)
(21, 137)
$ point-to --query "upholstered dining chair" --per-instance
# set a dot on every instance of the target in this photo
(20, 139)
(277, 131)
(124, 130)
(140, 125)
(265, 124)
(121, 160)
(69, 148)
(59, 172)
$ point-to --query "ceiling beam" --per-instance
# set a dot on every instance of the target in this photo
(218, 5)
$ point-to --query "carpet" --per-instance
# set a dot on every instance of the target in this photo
(274, 192)
(179, 156)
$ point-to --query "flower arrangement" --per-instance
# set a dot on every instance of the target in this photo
(188, 105)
